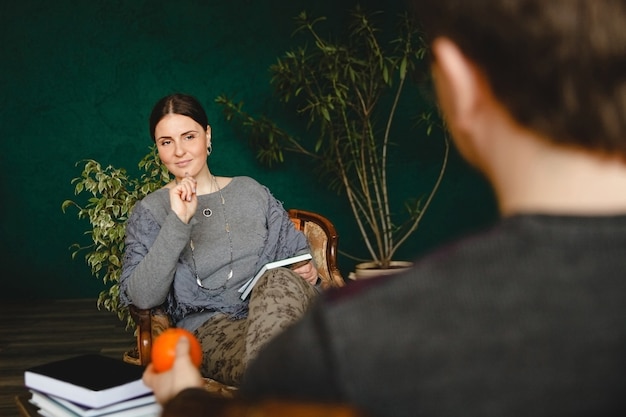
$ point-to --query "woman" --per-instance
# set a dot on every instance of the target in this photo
(192, 244)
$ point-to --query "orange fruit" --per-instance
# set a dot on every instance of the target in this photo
(164, 348)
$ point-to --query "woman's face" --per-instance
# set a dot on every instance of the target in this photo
(182, 144)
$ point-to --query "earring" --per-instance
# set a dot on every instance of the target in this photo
(209, 150)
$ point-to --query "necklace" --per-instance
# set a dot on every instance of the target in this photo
(207, 213)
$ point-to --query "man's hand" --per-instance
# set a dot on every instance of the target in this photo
(183, 374)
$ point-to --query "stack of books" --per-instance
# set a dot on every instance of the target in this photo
(90, 386)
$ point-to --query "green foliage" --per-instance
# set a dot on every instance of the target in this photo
(349, 93)
(111, 197)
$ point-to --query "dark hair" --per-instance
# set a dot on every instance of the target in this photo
(557, 65)
(178, 103)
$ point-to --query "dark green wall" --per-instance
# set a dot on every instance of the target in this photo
(78, 80)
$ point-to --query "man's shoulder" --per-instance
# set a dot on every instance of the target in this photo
(449, 260)
(494, 258)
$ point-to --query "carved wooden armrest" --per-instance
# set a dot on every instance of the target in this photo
(150, 323)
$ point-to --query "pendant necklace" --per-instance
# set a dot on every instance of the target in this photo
(207, 213)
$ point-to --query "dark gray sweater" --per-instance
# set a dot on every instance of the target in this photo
(525, 319)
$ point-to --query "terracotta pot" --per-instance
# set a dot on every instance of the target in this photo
(371, 269)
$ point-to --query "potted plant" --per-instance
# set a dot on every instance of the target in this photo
(113, 193)
(350, 94)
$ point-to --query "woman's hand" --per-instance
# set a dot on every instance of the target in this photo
(183, 198)
(183, 375)
(308, 272)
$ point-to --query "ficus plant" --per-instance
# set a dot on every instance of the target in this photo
(349, 93)
(111, 194)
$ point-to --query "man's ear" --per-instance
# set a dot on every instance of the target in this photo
(458, 81)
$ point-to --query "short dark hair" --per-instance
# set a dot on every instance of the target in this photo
(177, 103)
(557, 65)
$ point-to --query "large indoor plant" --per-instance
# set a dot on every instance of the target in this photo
(111, 194)
(350, 93)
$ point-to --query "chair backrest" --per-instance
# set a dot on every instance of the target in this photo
(323, 240)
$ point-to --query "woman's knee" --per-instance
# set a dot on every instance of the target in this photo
(283, 282)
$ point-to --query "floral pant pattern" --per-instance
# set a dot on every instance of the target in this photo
(278, 299)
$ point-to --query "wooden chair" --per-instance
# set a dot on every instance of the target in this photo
(323, 240)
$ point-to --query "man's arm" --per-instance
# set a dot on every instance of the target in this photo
(297, 364)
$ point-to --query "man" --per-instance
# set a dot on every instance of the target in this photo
(527, 318)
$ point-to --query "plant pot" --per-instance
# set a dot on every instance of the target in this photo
(371, 269)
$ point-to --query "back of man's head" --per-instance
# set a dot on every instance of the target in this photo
(557, 65)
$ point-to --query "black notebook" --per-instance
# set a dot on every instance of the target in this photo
(91, 380)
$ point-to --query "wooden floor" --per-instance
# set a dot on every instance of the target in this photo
(36, 332)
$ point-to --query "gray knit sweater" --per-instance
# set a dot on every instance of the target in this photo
(158, 266)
